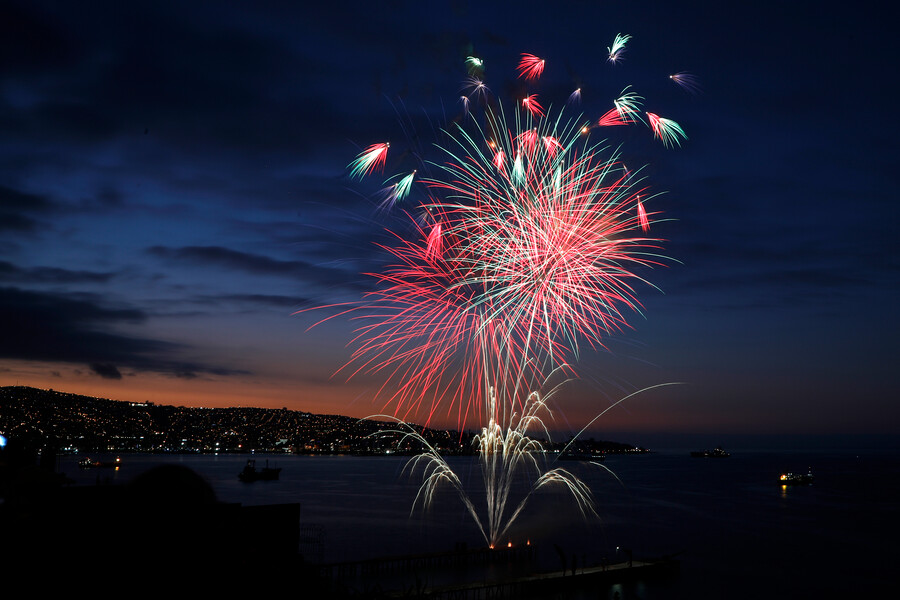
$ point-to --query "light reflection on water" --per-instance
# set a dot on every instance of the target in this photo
(728, 520)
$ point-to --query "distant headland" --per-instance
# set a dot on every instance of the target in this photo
(75, 423)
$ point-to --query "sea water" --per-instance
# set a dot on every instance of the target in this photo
(737, 532)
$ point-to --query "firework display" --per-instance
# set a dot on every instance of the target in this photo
(526, 247)
(522, 224)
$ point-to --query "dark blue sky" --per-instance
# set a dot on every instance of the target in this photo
(173, 187)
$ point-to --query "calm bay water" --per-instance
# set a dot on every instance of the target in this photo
(738, 533)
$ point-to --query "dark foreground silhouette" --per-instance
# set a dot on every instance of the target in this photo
(164, 531)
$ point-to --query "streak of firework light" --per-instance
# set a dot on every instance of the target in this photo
(368, 160)
(551, 145)
(506, 449)
(687, 82)
(396, 192)
(464, 100)
(476, 87)
(618, 47)
(402, 187)
(532, 105)
(667, 130)
(434, 244)
(575, 97)
(499, 160)
(518, 169)
(611, 118)
(530, 67)
(628, 105)
(642, 216)
(527, 140)
(474, 63)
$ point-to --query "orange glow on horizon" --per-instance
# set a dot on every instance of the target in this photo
(209, 391)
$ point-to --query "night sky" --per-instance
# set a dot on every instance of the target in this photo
(174, 187)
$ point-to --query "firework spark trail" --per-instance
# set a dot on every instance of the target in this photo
(476, 88)
(628, 105)
(618, 47)
(667, 130)
(507, 452)
(396, 192)
(530, 67)
(531, 105)
(686, 81)
(464, 100)
(612, 118)
(642, 216)
(551, 146)
(368, 160)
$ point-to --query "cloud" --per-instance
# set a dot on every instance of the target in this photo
(226, 258)
(106, 370)
(14, 222)
(15, 207)
(94, 72)
(271, 300)
(10, 272)
(57, 328)
(251, 263)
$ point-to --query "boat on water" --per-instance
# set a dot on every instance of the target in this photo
(251, 473)
(714, 453)
(88, 463)
(796, 478)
